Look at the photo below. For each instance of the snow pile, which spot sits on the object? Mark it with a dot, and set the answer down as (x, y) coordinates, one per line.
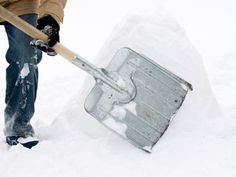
(74, 144)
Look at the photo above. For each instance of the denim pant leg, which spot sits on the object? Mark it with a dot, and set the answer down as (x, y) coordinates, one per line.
(21, 80)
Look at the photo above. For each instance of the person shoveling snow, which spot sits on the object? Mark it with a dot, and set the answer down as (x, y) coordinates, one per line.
(142, 80)
(22, 72)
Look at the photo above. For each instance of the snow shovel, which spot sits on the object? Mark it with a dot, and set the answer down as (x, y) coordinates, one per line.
(133, 96)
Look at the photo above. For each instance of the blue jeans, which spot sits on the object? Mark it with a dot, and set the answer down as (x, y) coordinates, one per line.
(21, 80)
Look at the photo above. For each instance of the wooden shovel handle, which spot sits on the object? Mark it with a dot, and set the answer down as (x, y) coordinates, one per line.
(35, 33)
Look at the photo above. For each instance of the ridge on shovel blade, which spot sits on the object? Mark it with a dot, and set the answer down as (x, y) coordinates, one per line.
(159, 95)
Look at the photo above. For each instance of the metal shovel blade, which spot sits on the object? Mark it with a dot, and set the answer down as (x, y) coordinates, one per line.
(158, 96)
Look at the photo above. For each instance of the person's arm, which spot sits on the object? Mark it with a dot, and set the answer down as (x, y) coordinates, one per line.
(51, 13)
(54, 8)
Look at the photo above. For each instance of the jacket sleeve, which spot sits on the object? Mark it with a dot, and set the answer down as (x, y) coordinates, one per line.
(55, 8)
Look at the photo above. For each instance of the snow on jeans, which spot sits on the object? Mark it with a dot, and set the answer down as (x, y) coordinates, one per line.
(22, 80)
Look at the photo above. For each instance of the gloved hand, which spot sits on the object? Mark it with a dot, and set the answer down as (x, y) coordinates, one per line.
(51, 28)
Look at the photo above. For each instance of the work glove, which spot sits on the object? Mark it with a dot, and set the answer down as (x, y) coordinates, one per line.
(51, 28)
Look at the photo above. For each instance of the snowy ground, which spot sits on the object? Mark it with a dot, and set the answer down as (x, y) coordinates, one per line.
(201, 140)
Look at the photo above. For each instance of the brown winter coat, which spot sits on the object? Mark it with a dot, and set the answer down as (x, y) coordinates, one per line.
(41, 7)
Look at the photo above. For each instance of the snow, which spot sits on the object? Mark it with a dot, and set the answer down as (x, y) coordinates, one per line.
(26, 140)
(118, 112)
(25, 71)
(121, 82)
(131, 106)
(111, 123)
(200, 141)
